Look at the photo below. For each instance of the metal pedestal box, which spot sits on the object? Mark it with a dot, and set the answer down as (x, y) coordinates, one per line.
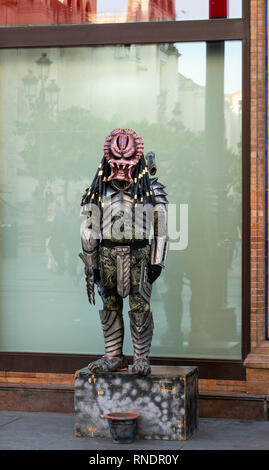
(166, 400)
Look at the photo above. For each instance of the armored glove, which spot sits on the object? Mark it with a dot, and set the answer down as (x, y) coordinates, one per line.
(154, 272)
(92, 276)
(96, 275)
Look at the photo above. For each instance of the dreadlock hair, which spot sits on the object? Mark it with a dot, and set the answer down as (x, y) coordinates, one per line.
(141, 188)
(97, 189)
(140, 191)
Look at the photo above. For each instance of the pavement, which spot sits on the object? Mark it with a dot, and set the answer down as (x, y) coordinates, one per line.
(21, 430)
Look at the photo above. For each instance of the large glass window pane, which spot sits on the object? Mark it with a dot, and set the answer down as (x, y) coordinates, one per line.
(114, 11)
(57, 107)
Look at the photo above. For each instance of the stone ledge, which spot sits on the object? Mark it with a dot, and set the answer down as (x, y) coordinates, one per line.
(257, 361)
(36, 397)
(233, 405)
(58, 398)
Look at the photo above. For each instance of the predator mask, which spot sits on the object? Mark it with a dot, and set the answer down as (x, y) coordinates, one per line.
(123, 149)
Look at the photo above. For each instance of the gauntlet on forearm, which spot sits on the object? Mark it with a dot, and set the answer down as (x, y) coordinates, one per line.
(158, 252)
(90, 245)
(158, 256)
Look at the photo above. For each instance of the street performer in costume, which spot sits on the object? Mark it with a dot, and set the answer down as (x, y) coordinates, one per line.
(118, 255)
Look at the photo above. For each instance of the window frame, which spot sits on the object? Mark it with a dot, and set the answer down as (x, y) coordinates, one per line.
(74, 35)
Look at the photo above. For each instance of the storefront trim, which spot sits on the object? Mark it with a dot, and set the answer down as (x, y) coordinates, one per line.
(149, 33)
(68, 363)
(123, 33)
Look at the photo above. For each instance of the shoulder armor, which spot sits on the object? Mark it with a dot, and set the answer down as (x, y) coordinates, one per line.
(158, 191)
(161, 200)
(156, 182)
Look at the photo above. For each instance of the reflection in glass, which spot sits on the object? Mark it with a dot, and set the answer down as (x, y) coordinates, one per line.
(114, 11)
(185, 100)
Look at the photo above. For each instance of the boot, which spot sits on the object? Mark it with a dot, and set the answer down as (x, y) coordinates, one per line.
(113, 330)
(141, 324)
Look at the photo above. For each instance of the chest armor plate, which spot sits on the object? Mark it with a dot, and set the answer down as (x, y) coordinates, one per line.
(120, 222)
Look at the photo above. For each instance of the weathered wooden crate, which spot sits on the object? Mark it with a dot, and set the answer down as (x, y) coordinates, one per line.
(167, 401)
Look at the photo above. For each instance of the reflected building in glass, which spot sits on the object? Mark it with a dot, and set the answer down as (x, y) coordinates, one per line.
(27, 12)
(66, 101)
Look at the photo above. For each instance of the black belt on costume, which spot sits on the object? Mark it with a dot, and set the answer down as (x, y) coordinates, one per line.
(134, 245)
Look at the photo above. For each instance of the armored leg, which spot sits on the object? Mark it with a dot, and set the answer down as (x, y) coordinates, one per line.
(111, 317)
(113, 330)
(141, 324)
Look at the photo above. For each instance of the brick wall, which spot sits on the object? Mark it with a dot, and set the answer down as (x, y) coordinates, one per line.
(257, 378)
(257, 155)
